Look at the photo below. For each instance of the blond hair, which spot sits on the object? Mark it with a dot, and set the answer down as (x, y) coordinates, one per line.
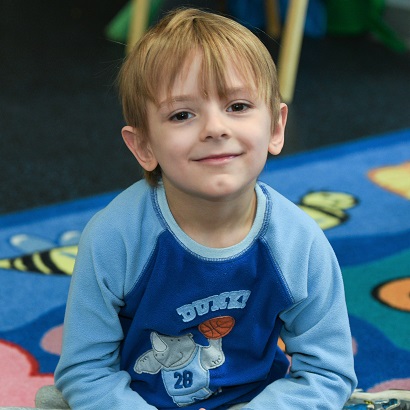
(157, 59)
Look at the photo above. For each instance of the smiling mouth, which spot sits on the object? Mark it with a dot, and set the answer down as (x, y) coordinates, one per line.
(218, 158)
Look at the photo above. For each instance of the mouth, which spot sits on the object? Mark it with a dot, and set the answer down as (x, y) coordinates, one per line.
(217, 159)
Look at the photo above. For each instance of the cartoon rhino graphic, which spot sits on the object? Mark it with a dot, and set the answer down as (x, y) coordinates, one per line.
(184, 365)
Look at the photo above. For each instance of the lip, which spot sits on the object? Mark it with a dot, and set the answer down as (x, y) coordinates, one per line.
(217, 158)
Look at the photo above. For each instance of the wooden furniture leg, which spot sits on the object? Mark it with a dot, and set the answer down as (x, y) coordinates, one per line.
(290, 47)
(138, 22)
(273, 24)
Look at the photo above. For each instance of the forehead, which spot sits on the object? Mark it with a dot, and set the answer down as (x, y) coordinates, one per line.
(195, 75)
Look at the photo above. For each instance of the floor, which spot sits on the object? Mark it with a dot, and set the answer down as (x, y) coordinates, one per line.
(60, 118)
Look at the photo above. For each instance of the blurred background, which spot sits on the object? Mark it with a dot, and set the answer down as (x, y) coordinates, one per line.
(60, 118)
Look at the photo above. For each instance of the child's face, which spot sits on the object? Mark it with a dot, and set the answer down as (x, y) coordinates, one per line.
(208, 147)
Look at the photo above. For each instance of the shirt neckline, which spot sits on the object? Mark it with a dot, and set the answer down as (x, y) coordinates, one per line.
(206, 252)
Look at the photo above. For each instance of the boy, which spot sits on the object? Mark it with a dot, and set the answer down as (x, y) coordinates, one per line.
(185, 282)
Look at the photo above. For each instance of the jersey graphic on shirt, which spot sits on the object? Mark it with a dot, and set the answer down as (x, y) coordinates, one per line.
(184, 364)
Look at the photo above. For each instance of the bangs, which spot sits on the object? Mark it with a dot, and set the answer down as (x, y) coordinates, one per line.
(213, 73)
(166, 49)
(220, 43)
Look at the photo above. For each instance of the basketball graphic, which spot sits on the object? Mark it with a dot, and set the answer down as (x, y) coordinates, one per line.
(217, 327)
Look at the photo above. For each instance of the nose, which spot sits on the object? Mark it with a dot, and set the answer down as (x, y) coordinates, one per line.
(215, 125)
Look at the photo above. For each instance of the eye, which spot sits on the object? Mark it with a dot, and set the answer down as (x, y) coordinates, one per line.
(238, 107)
(182, 116)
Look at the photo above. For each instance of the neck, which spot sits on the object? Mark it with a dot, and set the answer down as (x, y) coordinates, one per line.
(214, 223)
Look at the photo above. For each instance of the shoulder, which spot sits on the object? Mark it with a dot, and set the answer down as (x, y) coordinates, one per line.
(119, 239)
(296, 243)
(286, 218)
(124, 211)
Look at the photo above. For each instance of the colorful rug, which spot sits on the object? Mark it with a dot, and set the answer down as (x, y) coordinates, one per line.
(359, 193)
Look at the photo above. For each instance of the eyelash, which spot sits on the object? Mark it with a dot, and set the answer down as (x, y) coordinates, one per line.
(178, 116)
(186, 115)
(244, 106)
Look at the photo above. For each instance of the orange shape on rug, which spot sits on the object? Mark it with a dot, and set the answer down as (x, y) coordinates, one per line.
(395, 178)
(395, 293)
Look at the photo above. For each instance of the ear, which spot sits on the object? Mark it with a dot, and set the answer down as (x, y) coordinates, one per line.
(139, 147)
(278, 134)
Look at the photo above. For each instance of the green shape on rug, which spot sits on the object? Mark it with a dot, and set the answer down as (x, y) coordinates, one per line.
(362, 282)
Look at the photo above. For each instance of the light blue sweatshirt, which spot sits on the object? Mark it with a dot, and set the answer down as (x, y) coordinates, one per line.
(157, 321)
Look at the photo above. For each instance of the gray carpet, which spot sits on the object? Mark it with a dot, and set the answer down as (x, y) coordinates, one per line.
(60, 119)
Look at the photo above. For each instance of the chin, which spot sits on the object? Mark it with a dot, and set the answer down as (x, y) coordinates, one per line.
(225, 191)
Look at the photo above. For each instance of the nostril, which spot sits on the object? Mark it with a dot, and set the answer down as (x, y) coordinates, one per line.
(216, 136)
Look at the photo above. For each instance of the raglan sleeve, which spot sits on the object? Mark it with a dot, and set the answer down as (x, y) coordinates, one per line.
(88, 373)
(317, 336)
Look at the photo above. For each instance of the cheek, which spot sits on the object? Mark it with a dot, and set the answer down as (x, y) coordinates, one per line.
(179, 144)
(170, 154)
(260, 142)
(260, 132)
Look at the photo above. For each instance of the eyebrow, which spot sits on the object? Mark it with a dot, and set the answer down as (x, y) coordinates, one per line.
(176, 98)
(189, 98)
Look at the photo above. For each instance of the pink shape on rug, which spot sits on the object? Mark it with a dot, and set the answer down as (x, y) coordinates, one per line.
(20, 378)
(393, 384)
(52, 340)
(354, 346)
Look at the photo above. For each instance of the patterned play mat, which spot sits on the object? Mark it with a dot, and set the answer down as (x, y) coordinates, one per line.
(359, 193)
